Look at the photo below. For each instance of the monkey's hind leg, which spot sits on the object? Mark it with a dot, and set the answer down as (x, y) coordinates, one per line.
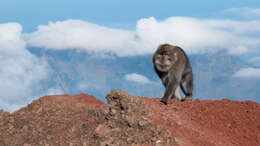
(189, 87)
(177, 94)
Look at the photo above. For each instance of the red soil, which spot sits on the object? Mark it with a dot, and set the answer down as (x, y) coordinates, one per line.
(208, 122)
(66, 119)
(90, 100)
(52, 120)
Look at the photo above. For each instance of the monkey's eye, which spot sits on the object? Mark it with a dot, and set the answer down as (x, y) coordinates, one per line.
(164, 55)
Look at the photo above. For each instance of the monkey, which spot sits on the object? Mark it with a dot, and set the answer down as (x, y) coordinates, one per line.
(173, 67)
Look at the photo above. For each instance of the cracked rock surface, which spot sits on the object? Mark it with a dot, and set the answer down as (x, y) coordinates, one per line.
(128, 123)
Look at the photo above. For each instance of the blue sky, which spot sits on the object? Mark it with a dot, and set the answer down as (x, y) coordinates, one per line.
(116, 13)
(121, 29)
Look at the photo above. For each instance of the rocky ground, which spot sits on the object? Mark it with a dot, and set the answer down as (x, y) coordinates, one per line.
(83, 120)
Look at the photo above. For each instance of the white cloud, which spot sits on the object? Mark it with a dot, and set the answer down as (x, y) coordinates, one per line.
(194, 35)
(134, 77)
(245, 12)
(255, 60)
(198, 35)
(55, 91)
(20, 71)
(248, 73)
(11, 107)
(238, 50)
(78, 34)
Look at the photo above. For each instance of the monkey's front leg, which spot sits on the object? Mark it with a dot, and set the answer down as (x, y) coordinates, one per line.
(170, 89)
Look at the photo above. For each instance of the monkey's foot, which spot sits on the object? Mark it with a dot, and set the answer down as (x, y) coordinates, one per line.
(163, 101)
(179, 99)
(189, 98)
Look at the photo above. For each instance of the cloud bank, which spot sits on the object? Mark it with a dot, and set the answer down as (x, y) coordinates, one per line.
(245, 12)
(194, 35)
(20, 71)
(137, 78)
(77, 34)
(255, 61)
(248, 73)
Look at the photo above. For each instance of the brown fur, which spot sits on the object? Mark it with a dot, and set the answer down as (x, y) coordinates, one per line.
(173, 68)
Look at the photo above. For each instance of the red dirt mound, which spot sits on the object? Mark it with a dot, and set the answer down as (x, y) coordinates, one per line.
(208, 122)
(52, 120)
(82, 120)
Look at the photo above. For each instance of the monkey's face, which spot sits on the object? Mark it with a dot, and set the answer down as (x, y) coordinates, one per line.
(164, 59)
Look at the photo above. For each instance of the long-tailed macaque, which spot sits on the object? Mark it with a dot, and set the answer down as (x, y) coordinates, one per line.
(173, 67)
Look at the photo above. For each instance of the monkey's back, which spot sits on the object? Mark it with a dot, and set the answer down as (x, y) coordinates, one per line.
(184, 57)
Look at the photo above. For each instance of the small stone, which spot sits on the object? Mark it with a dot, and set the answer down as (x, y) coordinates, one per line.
(153, 139)
(112, 111)
(106, 111)
(112, 103)
(142, 123)
(48, 137)
(179, 123)
(101, 130)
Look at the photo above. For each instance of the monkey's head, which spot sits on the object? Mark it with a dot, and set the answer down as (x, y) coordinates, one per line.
(164, 57)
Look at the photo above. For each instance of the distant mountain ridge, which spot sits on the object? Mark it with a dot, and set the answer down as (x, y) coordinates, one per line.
(81, 72)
